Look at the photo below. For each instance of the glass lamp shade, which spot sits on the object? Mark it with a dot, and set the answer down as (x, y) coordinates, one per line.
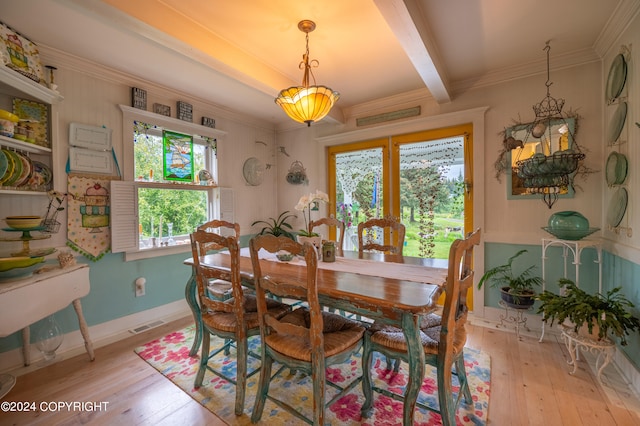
(307, 104)
(49, 338)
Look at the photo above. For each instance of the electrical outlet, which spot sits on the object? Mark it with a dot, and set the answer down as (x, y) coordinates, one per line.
(140, 283)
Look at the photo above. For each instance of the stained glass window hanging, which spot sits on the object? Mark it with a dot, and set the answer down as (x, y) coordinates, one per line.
(177, 156)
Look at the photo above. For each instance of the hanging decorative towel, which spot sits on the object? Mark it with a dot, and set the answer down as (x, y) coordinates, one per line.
(88, 229)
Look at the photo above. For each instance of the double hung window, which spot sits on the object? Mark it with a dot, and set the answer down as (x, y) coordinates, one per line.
(169, 185)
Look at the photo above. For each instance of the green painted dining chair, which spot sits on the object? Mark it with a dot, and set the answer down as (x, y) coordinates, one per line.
(306, 339)
(443, 338)
(218, 288)
(233, 319)
(371, 235)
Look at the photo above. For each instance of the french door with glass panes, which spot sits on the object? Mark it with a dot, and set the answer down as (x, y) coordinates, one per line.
(423, 179)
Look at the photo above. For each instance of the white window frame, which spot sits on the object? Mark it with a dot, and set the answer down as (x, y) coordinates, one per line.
(124, 194)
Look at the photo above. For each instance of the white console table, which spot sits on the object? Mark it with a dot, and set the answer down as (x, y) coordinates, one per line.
(26, 301)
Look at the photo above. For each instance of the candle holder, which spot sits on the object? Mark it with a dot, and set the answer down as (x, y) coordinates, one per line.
(52, 85)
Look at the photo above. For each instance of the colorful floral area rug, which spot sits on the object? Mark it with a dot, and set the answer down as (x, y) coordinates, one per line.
(170, 356)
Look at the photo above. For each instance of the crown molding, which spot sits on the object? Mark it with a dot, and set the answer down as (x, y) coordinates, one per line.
(64, 60)
(625, 13)
(528, 69)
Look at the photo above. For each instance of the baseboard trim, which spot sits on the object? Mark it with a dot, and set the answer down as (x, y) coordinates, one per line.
(491, 319)
(101, 335)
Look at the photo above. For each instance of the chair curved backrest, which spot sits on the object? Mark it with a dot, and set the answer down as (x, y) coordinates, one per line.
(221, 227)
(232, 319)
(442, 338)
(297, 340)
(384, 226)
(339, 225)
(459, 280)
(201, 242)
(219, 288)
(307, 291)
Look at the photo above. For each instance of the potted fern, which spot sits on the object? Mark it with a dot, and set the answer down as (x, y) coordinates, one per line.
(517, 291)
(603, 314)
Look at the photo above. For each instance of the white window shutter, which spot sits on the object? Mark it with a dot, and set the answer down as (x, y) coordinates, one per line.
(124, 217)
(226, 205)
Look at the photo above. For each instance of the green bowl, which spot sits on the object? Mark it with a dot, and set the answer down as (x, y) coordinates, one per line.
(284, 257)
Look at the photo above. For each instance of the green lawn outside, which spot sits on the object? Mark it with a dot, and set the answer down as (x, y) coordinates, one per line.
(442, 243)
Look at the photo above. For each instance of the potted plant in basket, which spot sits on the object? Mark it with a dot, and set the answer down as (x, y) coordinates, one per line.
(604, 315)
(517, 291)
(277, 227)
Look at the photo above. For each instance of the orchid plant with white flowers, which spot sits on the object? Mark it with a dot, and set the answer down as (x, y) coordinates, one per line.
(305, 203)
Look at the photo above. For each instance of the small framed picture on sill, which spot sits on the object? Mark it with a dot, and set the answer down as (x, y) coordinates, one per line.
(209, 122)
(185, 111)
(139, 98)
(162, 109)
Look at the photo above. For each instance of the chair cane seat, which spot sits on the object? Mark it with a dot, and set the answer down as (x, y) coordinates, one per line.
(393, 337)
(339, 334)
(227, 321)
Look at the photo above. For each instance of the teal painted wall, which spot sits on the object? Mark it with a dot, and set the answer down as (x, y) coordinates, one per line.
(112, 291)
(616, 272)
(619, 272)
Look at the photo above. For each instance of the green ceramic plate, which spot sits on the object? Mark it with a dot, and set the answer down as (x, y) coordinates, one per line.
(616, 168)
(617, 123)
(17, 168)
(617, 207)
(617, 78)
(10, 166)
(4, 164)
(9, 263)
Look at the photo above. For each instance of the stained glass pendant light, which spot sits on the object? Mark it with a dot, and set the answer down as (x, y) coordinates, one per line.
(305, 103)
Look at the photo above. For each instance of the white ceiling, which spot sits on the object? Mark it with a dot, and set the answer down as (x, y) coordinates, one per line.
(241, 53)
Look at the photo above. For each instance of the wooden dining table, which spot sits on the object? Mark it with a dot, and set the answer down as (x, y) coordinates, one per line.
(393, 289)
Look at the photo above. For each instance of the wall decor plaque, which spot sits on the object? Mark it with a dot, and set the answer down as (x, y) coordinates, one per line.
(185, 111)
(36, 116)
(139, 98)
(209, 122)
(162, 109)
(20, 54)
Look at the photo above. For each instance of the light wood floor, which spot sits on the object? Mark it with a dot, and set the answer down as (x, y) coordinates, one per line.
(530, 385)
